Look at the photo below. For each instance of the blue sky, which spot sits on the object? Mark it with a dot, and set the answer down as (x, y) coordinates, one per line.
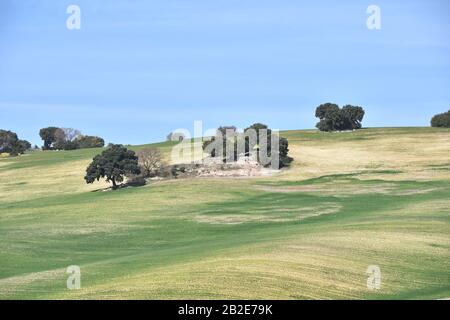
(138, 69)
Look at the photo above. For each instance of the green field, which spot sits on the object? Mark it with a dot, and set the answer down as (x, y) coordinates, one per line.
(350, 200)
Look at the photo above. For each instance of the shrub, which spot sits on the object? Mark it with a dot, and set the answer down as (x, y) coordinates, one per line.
(136, 181)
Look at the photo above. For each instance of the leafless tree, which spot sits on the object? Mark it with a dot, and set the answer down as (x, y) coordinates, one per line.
(71, 134)
(150, 161)
(65, 138)
(66, 134)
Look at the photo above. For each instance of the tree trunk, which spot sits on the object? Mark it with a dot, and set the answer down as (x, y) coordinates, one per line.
(114, 184)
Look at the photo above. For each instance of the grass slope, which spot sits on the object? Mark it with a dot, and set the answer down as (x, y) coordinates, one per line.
(350, 200)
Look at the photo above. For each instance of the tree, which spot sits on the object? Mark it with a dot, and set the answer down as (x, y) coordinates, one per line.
(251, 145)
(333, 118)
(175, 136)
(285, 160)
(7, 140)
(71, 134)
(226, 134)
(324, 109)
(113, 164)
(48, 135)
(150, 161)
(60, 140)
(65, 138)
(227, 130)
(252, 140)
(89, 142)
(10, 143)
(20, 147)
(266, 145)
(441, 120)
(354, 114)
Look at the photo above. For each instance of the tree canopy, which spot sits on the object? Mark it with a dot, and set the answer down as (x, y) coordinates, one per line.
(333, 118)
(113, 164)
(48, 135)
(256, 138)
(10, 143)
(89, 142)
(264, 146)
(68, 139)
(441, 120)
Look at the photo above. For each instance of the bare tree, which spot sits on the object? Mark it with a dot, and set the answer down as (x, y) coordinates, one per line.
(64, 138)
(71, 134)
(150, 161)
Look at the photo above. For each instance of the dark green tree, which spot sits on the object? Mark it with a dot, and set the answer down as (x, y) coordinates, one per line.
(324, 109)
(257, 127)
(10, 143)
(48, 135)
(7, 140)
(259, 144)
(266, 144)
(226, 134)
(113, 164)
(354, 114)
(285, 160)
(441, 120)
(333, 118)
(20, 147)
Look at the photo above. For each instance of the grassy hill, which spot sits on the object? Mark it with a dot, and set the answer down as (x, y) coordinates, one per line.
(350, 200)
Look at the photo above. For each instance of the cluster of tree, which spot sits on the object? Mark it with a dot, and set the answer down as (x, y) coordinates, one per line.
(256, 139)
(441, 120)
(10, 143)
(117, 162)
(333, 118)
(68, 139)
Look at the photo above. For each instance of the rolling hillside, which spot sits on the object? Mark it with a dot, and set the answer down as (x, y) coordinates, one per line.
(350, 200)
